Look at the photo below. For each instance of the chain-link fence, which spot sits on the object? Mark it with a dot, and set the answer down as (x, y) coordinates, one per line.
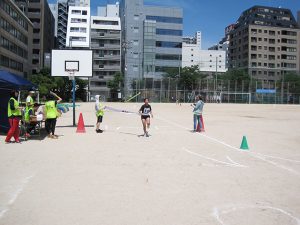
(213, 90)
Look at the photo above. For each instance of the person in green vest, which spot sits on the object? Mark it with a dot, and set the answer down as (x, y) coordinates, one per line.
(51, 114)
(99, 113)
(14, 114)
(29, 100)
(29, 117)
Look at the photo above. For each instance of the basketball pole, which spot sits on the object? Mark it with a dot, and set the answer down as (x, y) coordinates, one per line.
(74, 99)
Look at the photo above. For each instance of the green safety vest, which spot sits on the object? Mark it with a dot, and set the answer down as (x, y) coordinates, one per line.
(16, 112)
(27, 116)
(101, 111)
(30, 103)
(51, 111)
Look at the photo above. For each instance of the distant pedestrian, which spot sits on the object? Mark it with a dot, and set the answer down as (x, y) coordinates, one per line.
(14, 114)
(145, 112)
(198, 109)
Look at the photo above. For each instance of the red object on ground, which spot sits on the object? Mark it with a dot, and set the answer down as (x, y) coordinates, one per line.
(80, 126)
(198, 125)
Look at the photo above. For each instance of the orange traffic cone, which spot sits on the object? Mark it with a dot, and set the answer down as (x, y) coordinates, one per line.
(80, 126)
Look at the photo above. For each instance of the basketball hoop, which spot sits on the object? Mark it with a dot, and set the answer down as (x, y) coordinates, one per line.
(71, 74)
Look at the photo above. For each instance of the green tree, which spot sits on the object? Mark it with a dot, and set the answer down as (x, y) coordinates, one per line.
(60, 85)
(117, 82)
(188, 76)
(235, 75)
(294, 82)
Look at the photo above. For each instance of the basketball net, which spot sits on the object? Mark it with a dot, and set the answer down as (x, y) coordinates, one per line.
(71, 74)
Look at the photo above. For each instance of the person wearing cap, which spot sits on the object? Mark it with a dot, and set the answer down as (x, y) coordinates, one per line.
(14, 115)
(29, 101)
(51, 115)
(99, 108)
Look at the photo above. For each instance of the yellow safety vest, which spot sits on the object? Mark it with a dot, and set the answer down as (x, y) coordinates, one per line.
(16, 112)
(51, 111)
(100, 112)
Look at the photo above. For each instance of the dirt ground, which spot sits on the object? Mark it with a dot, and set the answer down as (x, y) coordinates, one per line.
(174, 177)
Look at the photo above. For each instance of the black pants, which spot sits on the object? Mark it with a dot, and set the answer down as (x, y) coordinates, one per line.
(30, 127)
(50, 126)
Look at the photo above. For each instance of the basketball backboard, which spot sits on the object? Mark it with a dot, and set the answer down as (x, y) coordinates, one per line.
(79, 62)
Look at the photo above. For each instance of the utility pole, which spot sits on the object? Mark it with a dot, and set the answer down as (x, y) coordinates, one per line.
(216, 73)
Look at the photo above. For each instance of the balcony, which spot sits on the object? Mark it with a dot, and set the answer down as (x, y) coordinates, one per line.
(107, 57)
(107, 67)
(97, 35)
(105, 46)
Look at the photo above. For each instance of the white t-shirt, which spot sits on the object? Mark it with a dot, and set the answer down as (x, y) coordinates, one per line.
(28, 99)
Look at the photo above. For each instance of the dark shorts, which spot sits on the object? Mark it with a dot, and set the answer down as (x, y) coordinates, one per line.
(99, 119)
(145, 117)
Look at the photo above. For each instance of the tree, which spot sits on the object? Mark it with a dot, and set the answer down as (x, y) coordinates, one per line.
(116, 83)
(236, 75)
(60, 85)
(294, 82)
(188, 77)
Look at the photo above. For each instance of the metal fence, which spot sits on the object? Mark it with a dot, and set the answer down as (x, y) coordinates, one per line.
(223, 91)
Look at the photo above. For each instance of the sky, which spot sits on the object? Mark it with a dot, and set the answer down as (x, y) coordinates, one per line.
(209, 16)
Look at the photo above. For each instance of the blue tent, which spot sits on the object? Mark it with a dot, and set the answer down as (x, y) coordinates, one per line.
(9, 82)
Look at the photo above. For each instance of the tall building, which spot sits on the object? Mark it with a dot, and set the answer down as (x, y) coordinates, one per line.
(78, 29)
(43, 32)
(15, 39)
(151, 40)
(106, 46)
(264, 42)
(209, 61)
(60, 12)
(223, 45)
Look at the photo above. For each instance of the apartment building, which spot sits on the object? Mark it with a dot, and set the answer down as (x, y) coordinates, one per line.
(15, 39)
(106, 46)
(78, 29)
(265, 42)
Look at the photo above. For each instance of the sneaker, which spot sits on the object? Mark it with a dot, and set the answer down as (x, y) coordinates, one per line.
(27, 135)
(147, 135)
(99, 131)
(49, 136)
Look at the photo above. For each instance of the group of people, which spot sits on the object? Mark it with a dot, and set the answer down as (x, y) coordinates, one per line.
(146, 112)
(30, 115)
(50, 114)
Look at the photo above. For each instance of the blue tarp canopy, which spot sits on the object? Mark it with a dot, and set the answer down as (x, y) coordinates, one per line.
(14, 82)
(9, 82)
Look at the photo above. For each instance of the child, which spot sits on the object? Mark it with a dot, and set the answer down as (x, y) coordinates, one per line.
(99, 113)
(145, 112)
(198, 108)
(51, 114)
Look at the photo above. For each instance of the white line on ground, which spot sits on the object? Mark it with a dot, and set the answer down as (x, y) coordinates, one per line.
(253, 154)
(217, 213)
(214, 160)
(15, 195)
(276, 157)
(230, 160)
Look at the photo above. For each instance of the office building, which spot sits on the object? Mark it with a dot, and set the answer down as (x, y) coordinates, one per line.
(208, 61)
(15, 39)
(78, 29)
(151, 40)
(81, 3)
(43, 32)
(264, 42)
(106, 46)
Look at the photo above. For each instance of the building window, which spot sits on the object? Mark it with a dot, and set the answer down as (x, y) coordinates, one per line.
(84, 12)
(169, 32)
(164, 19)
(135, 29)
(166, 44)
(136, 42)
(136, 17)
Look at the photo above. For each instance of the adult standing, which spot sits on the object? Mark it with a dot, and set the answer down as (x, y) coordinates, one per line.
(29, 101)
(198, 108)
(14, 115)
(51, 115)
(145, 112)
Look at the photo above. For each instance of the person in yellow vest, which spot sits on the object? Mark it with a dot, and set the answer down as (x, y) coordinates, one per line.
(29, 101)
(99, 113)
(51, 115)
(29, 119)
(14, 115)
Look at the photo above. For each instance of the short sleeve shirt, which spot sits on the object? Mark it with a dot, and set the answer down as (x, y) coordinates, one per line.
(145, 109)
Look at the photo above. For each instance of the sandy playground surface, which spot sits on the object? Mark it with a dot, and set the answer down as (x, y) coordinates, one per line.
(175, 177)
